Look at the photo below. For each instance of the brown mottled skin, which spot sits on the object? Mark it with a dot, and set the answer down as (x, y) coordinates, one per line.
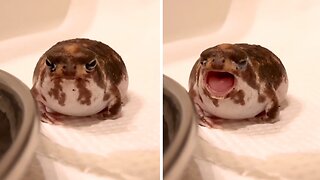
(264, 62)
(263, 68)
(70, 58)
(237, 96)
(115, 69)
(57, 92)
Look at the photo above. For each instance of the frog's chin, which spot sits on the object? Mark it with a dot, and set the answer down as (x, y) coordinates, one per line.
(219, 83)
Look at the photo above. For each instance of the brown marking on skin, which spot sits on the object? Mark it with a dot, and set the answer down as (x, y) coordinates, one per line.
(106, 96)
(249, 77)
(96, 75)
(42, 76)
(192, 93)
(201, 99)
(272, 111)
(215, 102)
(60, 71)
(57, 93)
(213, 63)
(115, 91)
(261, 98)
(198, 71)
(115, 109)
(234, 53)
(44, 98)
(237, 97)
(73, 53)
(217, 64)
(83, 56)
(209, 61)
(114, 71)
(84, 93)
(62, 99)
(113, 65)
(211, 52)
(34, 92)
(98, 78)
(268, 65)
(208, 94)
(109, 112)
(271, 73)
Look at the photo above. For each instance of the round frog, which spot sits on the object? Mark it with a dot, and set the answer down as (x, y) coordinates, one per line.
(79, 78)
(237, 82)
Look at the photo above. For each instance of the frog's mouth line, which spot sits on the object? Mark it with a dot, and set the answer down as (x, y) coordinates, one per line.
(219, 83)
(68, 78)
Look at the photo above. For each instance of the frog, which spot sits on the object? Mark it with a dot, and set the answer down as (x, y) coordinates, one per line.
(233, 82)
(79, 78)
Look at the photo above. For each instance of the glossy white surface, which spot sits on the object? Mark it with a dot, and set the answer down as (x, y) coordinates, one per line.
(113, 149)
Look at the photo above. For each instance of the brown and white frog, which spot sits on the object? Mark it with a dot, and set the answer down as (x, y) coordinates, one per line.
(79, 78)
(237, 82)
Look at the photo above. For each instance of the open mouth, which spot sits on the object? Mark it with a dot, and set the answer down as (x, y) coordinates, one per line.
(219, 83)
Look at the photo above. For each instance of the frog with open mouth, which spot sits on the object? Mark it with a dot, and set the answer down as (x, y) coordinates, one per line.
(237, 82)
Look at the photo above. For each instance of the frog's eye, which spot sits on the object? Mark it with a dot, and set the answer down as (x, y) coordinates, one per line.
(242, 63)
(91, 65)
(51, 65)
(203, 62)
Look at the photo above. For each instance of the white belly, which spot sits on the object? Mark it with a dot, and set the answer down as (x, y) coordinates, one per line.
(228, 109)
(72, 105)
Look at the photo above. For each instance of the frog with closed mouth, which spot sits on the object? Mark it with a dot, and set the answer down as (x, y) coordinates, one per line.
(79, 78)
(237, 82)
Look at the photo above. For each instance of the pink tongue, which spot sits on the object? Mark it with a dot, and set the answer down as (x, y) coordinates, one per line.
(220, 82)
